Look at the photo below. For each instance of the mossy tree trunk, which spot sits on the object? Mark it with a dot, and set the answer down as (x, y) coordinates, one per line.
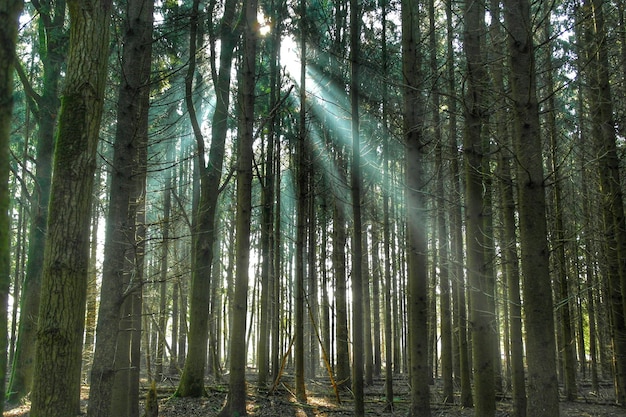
(56, 385)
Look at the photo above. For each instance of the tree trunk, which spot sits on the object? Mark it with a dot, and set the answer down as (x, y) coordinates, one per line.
(192, 379)
(511, 270)
(479, 274)
(456, 231)
(164, 267)
(386, 223)
(10, 10)
(375, 310)
(236, 403)
(442, 226)
(603, 130)
(368, 354)
(342, 369)
(56, 386)
(301, 159)
(52, 58)
(357, 240)
(120, 263)
(267, 216)
(543, 394)
(416, 212)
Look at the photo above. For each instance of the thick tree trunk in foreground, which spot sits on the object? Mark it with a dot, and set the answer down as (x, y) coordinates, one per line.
(543, 390)
(56, 385)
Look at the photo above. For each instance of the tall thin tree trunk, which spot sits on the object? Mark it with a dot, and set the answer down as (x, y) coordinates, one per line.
(120, 254)
(377, 278)
(511, 269)
(267, 215)
(386, 223)
(357, 240)
(543, 394)
(442, 222)
(368, 354)
(456, 230)
(10, 10)
(204, 233)
(301, 215)
(416, 210)
(339, 239)
(236, 403)
(479, 274)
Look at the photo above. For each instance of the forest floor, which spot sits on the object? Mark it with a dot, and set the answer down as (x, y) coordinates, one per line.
(322, 402)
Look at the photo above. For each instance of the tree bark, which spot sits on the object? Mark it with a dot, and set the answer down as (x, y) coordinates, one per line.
(204, 233)
(236, 403)
(56, 384)
(479, 273)
(543, 393)
(120, 260)
(301, 215)
(614, 221)
(386, 223)
(416, 213)
(357, 240)
(442, 221)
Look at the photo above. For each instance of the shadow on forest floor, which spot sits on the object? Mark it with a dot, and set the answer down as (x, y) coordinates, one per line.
(322, 402)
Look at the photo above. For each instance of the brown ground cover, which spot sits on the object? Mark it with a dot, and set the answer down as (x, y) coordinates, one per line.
(322, 402)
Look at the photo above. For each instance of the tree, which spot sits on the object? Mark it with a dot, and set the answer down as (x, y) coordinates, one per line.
(302, 165)
(357, 240)
(52, 50)
(204, 233)
(456, 227)
(416, 214)
(56, 385)
(543, 393)
(122, 260)
(480, 280)
(236, 403)
(10, 12)
(386, 221)
(613, 218)
(442, 222)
